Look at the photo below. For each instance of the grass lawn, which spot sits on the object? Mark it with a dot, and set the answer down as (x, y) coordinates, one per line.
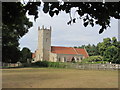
(58, 78)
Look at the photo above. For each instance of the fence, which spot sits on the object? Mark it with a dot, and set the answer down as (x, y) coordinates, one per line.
(74, 66)
(94, 66)
(7, 65)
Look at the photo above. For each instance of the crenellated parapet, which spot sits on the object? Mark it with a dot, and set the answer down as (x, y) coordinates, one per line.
(44, 28)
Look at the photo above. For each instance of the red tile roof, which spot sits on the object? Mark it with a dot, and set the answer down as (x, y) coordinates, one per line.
(68, 50)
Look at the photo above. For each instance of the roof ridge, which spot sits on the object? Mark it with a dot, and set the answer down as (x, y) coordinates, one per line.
(75, 50)
(60, 46)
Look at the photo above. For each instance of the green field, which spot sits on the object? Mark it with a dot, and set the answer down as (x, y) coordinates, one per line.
(58, 78)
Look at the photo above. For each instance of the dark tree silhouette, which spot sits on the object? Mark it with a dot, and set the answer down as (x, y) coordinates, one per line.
(15, 24)
(25, 55)
(91, 13)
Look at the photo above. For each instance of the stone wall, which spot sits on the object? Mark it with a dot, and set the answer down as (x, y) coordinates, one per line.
(53, 57)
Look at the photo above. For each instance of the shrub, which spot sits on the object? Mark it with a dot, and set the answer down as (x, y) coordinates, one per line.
(42, 63)
(26, 64)
(93, 59)
(54, 64)
(49, 64)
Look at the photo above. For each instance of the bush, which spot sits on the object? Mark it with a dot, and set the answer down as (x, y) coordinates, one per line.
(93, 59)
(42, 63)
(26, 65)
(49, 64)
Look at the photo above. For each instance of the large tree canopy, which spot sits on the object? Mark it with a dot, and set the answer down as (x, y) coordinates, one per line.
(14, 25)
(109, 49)
(90, 12)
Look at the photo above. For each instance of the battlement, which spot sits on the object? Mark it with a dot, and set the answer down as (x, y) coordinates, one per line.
(43, 28)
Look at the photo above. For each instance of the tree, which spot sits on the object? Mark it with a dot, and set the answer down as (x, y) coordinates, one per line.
(114, 41)
(91, 13)
(91, 49)
(118, 46)
(15, 24)
(107, 42)
(111, 54)
(103, 45)
(109, 49)
(25, 55)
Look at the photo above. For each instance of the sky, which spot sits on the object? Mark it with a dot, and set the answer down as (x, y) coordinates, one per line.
(66, 35)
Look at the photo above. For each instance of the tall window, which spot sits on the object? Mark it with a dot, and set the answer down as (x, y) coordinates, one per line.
(64, 59)
(58, 59)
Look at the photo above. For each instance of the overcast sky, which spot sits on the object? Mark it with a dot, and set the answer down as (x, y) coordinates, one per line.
(66, 35)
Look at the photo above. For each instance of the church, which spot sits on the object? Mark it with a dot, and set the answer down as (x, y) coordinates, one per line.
(55, 53)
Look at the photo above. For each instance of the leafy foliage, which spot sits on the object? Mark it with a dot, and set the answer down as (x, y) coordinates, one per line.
(49, 64)
(109, 49)
(25, 55)
(111, 54)
(32, 8)
(91, 13)
(93, 59)
(15, 24)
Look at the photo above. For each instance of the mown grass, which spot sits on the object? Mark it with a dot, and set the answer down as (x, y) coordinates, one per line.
(58, 78)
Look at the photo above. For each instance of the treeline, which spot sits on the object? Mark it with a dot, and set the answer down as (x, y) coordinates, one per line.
(23, 56)
(109, 49)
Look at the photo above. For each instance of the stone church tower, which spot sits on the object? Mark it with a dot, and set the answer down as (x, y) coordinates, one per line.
(44, 44)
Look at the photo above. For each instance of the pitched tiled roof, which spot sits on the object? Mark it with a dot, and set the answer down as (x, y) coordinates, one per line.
(68, 50)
